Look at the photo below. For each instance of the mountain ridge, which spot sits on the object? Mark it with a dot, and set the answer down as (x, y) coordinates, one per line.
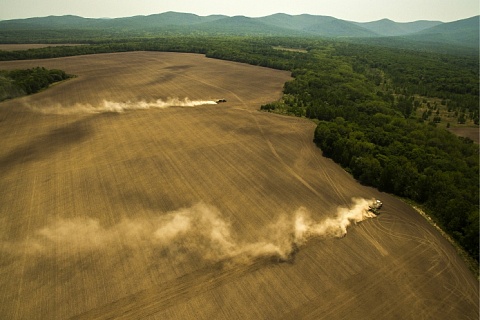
(461, 32)
(387, 27)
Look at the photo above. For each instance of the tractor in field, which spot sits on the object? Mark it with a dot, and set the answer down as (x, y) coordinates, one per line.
(375, 206)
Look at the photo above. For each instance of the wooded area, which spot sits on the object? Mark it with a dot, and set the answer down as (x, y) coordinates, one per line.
(17, 83)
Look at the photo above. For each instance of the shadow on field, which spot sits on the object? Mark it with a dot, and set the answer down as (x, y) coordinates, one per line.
(169, 75)
(45, 145)
(178, 67)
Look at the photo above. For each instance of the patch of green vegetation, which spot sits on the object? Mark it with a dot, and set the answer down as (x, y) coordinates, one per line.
(16, 83)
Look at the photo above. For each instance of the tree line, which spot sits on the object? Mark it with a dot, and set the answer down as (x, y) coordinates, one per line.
(413, 160)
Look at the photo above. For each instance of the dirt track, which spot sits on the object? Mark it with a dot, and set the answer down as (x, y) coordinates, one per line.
(82, 191)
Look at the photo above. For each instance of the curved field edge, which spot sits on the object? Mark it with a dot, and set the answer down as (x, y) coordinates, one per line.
(472, 263)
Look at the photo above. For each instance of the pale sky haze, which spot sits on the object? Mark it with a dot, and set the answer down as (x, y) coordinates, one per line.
(353, 10)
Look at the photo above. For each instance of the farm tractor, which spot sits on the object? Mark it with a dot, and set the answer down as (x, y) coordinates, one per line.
(375, 206)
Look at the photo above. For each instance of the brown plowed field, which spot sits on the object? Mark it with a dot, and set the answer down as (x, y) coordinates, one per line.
(135, 215)
(467, 132)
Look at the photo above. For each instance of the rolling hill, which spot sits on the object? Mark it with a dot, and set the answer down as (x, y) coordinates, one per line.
(462, 32)
(386, 27)
(241, 25)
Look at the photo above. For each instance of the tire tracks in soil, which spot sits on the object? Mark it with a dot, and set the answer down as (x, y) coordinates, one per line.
(155, 299)
(290, 170)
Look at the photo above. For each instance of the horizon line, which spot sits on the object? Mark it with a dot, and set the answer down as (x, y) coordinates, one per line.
(228, 16)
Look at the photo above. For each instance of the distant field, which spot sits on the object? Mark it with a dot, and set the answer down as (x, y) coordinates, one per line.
(467, 132)
(116, 204)
(291, 49)
(15, 47)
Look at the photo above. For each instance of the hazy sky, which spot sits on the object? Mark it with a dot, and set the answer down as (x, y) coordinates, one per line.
(354, 10)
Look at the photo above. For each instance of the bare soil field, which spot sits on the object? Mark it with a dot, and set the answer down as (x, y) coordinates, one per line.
(26, 46)
(122, 200)
(467, 132)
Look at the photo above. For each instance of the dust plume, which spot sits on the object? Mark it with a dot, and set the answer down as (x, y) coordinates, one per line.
(118, 107)
(201, 230)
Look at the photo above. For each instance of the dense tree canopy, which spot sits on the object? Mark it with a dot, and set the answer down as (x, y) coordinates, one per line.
(21, 82)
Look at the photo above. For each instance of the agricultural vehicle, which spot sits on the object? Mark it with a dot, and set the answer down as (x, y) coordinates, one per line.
(375, 207)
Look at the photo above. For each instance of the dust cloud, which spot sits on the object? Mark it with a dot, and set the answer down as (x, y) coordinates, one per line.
(201, 230)
(119, 107)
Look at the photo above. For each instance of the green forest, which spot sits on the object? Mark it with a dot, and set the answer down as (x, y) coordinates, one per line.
(380, 110)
